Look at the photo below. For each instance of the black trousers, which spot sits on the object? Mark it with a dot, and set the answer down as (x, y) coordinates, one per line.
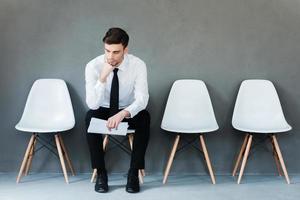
(141, 124)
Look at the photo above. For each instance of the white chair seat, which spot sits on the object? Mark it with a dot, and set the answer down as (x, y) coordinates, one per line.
(176, 128)
(263, 127)
(44, 127)
(130, 131)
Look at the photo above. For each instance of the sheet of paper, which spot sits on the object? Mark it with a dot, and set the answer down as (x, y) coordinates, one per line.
(99, 126)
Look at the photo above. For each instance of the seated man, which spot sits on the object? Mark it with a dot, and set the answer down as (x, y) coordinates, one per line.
(116, 91)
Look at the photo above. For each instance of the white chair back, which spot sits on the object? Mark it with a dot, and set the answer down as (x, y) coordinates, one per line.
(189, 108)
(258, 109)
(48, 108)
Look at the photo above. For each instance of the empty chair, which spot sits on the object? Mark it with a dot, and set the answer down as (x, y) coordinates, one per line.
(130, 135)
(258, 110)
(189, 111)
(48, 109)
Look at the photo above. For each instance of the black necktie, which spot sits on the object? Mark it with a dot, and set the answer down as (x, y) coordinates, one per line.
(114, 94)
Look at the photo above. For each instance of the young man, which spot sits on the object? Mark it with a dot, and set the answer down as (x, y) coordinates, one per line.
(116, 91)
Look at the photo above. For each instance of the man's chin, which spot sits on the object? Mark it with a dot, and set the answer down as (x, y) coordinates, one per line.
(115, 64)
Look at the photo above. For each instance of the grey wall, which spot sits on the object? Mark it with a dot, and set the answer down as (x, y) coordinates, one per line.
(219, 42)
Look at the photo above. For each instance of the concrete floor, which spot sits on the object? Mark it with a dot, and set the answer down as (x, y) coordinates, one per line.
(44, 186)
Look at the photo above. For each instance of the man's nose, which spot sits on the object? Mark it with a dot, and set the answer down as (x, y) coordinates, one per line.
(109, 56)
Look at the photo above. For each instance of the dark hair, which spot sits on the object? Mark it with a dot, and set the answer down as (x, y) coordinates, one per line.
(116, 36)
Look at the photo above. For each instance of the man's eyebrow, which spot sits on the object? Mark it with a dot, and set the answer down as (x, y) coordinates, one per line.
(112, 51)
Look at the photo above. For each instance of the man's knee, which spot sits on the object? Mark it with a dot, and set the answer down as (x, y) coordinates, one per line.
(144, 118)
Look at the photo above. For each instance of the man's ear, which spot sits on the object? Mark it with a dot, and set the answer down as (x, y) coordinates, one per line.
(126, 50)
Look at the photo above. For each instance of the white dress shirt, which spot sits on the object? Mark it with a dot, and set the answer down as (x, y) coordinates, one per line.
(133, 85)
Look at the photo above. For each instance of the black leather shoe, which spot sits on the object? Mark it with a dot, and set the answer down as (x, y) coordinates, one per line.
(133, 184)
(101, 183)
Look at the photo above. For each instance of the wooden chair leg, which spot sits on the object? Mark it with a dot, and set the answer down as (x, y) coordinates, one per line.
(130, 139)
(28, 164)
(61, 157)
(94, 175)
(245, 158)
(25, 158)
(238, 160)
(281, 159)
(275, 156)
(105, 143)
(171, 158)
(141, 177)
(207, 159)
(65, 153)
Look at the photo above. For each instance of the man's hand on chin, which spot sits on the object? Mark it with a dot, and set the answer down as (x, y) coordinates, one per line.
(115, 120)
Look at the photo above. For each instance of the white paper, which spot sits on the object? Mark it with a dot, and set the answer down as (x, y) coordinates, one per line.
(99, 126)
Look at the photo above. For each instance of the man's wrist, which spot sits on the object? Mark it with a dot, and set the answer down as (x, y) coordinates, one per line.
(125, 113)
(102, 80)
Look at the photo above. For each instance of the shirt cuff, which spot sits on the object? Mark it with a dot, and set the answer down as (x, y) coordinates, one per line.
(132, 110)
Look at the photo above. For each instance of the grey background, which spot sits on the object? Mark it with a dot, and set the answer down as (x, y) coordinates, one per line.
(219, 42)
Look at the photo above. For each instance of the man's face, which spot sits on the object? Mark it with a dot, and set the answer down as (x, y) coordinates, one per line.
(114, 53)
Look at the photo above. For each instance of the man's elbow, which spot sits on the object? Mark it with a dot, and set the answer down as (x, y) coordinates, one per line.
(92, 105)
(145, 102)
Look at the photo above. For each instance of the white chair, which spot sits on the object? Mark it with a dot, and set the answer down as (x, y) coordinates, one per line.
(48, 109)
(130, 135)
(189, 110)
(258, 110)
